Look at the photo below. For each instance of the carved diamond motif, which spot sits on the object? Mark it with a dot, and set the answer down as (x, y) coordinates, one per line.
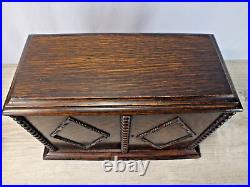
(153, 133)
(98, 134)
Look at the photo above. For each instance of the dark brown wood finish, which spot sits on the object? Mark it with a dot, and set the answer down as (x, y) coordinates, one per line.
(125, 133)
(215, 125)
(137, 96)
(34, 132)
(69, 74)
(132, 155)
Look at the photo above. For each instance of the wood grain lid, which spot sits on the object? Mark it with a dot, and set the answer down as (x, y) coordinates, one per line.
(88, 73)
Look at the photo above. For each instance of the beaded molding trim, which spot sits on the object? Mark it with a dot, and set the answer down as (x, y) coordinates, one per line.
(176, 121)
(215, 125)
(70, 119)
(23, 122)
(125, 132)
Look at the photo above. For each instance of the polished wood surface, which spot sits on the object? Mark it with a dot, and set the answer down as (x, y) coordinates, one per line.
(224, 154)
(197, 122)
(60, 79)
(120, 73)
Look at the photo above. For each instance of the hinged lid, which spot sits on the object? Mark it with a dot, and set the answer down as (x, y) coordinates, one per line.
(142, 73)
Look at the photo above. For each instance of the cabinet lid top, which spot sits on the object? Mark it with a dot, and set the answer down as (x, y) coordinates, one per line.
(76, 72)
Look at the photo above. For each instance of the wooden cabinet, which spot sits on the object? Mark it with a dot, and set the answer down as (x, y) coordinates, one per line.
(135, 96)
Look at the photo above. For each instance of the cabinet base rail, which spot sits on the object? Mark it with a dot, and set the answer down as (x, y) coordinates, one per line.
(131, 155)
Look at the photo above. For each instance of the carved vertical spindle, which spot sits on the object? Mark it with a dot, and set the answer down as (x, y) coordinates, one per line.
(215, 125)
(33, 131)
(125, 131)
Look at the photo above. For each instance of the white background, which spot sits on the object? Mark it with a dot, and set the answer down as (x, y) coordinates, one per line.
(228, 21)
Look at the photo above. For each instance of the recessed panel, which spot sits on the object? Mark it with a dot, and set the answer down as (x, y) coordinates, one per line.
(110, 124)
(148, 131)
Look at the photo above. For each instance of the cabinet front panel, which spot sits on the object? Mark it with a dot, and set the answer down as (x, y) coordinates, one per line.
(165, 131)
(80, 132)
(103, 133)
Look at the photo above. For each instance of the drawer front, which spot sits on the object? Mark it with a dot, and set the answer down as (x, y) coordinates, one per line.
(123, 133)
